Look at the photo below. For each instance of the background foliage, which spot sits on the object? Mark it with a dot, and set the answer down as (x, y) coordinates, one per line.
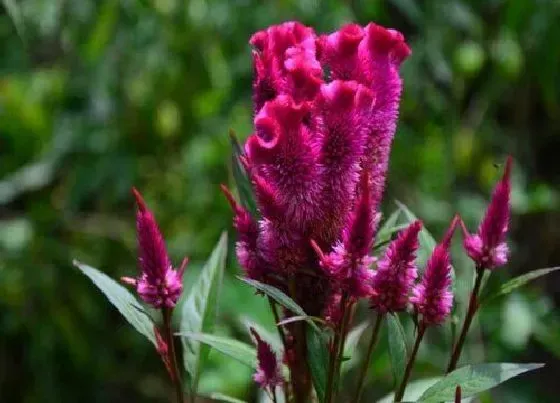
(97, 96)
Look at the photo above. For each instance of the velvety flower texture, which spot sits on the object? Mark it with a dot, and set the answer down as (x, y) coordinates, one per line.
(159, 284)
(432, 297)
(396, 272)
(268, 373)
(487, 247)
(316, 134)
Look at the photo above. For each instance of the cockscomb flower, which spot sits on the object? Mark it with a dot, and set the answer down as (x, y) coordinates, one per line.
(158, 284)
(396, 272)
(487, 248)
(268, 373)
(432, 297)
(315, 136)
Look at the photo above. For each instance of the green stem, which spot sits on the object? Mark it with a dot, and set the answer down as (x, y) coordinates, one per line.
(338, 336)
(471, 311)
(172, 355)
(365, 365)
(400, 392)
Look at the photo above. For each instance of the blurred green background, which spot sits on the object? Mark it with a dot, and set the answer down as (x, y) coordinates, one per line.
(99, 95)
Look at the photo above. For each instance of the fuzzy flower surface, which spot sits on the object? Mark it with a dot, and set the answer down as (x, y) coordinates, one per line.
(396, 272)
(317, 136)
(268, 373)
(432, 297)
(487, 247)
(159, 284)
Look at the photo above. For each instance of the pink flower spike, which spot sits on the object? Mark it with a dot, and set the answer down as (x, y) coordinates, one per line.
(268, 373)
(432, 297)
(159, 284)
(487, 248)
(396, 272)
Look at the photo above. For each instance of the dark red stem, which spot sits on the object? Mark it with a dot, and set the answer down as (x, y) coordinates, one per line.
(365, 365)
(400, 393)
(471, 311)
(172, 355)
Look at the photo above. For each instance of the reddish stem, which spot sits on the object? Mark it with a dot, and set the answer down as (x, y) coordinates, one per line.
(400, 393)
(172, 355)
(471, 311)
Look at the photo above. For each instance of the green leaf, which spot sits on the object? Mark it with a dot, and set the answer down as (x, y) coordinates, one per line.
(427, 241)
(240, 177)
(413, 390)
(276, 294)
(389, 227)
(397, 347)
(318, 359)
(520, 281)
(474, 379)
(351, 346)
(14, 11)
(198, 313)
(271, 337)
(122, 299)
(225, 398)
(306, 318)
(237, 350)
(280, 297)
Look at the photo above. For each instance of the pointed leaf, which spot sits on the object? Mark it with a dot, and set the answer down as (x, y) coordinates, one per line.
(413, 390)
(305, 318)
(397, 347)
(198, 313)
(238, 350)
(388, 227)
(318, 360)
(520, 281)
(351, 351)
(122, 299)
(225, 398)
(14, 11)
(240, 176)
(277, 295)
(474, 379)
(271, 337)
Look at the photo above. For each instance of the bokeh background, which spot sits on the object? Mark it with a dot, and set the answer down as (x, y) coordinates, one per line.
(99, 95)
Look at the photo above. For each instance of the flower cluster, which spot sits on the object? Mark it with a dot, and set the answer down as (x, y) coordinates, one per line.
(325, 115)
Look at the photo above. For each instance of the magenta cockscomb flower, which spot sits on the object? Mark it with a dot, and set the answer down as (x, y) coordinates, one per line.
(396, 272)
(487, 248)
(158, 284)
(432, 297)
(268, 373)
(315, 136)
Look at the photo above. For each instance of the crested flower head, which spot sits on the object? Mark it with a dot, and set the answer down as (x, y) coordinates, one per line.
(268, 373)
(487, 247)
(432, 297)
(159, 284)
(319, 141)
(396, 272)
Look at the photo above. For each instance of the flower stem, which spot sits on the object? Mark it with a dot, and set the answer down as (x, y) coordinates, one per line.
(274, 310)
(400, 393)
(343, 332)
(365, 365)
(471, 311)
(172, 355)
(337, 342)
